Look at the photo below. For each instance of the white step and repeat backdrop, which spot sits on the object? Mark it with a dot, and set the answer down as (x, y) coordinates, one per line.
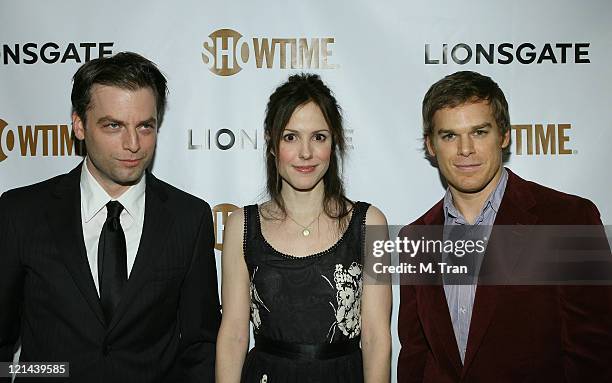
(552, 58)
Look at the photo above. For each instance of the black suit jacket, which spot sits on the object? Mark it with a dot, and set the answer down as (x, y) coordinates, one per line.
(166, 324)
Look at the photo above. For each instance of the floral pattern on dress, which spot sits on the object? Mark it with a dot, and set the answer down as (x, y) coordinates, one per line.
(256, 304)
(348, 286)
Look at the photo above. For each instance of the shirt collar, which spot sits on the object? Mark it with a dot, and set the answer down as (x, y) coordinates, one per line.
(94, 198)
(492, 202)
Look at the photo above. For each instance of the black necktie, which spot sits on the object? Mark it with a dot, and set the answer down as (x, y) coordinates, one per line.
(112, 260)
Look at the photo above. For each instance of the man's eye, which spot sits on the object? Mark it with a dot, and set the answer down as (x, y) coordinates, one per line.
(448, 136)
(480, 132)
(112, 125)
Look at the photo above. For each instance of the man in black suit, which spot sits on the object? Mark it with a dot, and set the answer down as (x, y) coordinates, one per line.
(107, 267)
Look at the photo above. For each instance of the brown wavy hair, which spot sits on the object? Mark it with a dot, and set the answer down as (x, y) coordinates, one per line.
(461, 88)
(299, 90)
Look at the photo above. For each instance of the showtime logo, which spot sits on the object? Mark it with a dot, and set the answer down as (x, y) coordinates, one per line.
(220, 213)
(540, 139)
(226, 52)
(37, 140)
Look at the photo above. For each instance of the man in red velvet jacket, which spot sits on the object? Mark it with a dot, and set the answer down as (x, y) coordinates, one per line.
(489, 333)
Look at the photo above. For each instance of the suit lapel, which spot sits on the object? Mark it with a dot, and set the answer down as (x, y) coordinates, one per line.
(64, 218)
(514, 210)
(157, 220)
(435, 308)
(438, 319)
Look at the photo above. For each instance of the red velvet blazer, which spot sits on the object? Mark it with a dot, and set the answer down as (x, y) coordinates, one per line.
(517, 333)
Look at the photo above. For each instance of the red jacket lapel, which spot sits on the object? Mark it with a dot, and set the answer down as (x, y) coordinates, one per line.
(436, 317)
(514, 210)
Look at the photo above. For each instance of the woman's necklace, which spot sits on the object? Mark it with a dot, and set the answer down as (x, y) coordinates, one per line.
(306, 228)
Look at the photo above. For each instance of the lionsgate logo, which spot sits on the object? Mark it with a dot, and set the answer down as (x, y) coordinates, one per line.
(44, 140)
(225, 139)
(227, 52)
(222, 139)
(51, 53)
(507, 53)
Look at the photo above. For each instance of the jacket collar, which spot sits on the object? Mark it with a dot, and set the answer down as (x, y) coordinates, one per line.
(64, 219)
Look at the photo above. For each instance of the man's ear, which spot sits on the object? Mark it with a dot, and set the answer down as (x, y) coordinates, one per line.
(505, 139)
(78, 126)
(430, 147)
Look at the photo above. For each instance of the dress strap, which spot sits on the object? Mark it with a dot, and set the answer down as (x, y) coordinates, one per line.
(360, 213)
(251, 227)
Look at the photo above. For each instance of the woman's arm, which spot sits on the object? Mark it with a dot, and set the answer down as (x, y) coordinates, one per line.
(233, 338)
(376, 315)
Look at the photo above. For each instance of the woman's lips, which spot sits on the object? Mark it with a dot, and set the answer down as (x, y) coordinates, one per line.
(305, 169)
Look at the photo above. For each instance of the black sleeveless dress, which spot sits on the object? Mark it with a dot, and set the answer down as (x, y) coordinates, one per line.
(306, 311)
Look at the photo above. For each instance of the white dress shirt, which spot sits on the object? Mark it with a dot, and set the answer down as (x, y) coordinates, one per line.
(93, 215)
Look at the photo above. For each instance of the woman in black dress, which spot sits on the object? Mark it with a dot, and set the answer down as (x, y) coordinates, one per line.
(293, 265)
